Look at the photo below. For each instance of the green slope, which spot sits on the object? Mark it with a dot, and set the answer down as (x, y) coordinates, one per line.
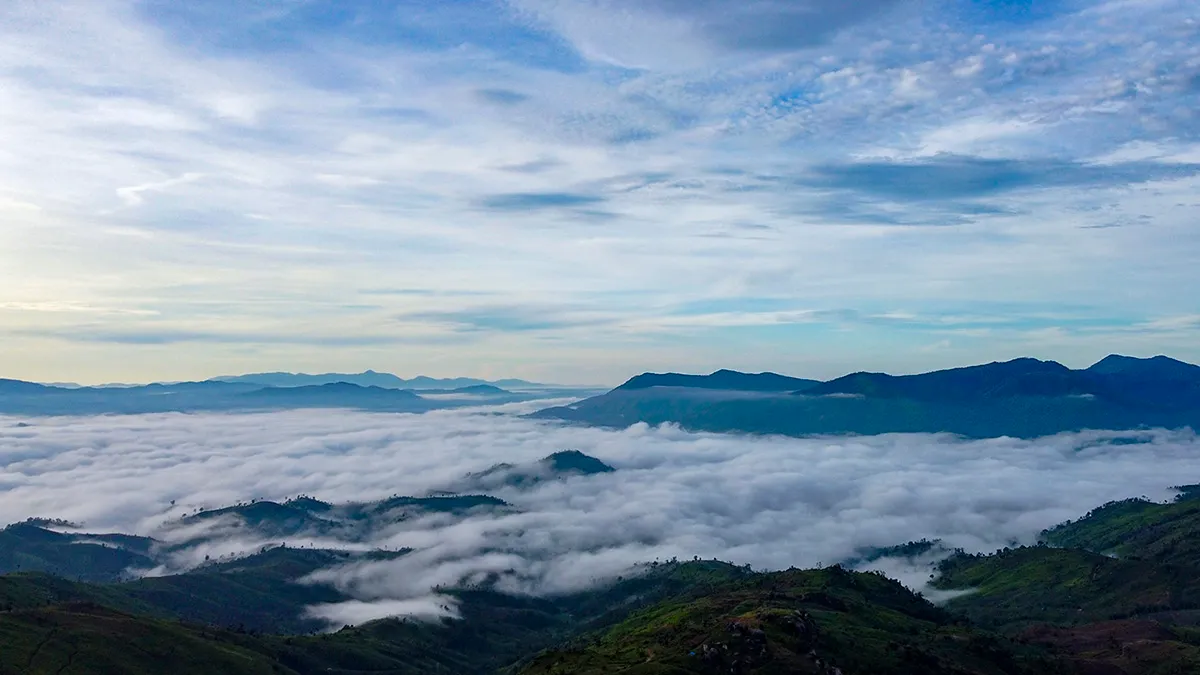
(1125, 598)
(1131, 558)
(815, 621)
(85, 639)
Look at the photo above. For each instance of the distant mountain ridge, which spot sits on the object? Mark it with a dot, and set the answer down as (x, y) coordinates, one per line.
(1156, 366)
(721, 379)
(371, 378)
(28, 398)
(1023, 397)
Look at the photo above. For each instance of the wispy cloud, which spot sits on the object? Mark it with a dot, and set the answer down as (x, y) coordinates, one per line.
(134, 194)
(530, 201)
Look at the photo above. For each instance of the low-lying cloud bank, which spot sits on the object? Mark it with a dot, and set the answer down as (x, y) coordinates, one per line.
(770, 502)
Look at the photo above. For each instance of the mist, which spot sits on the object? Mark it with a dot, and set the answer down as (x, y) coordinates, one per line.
(769, 502)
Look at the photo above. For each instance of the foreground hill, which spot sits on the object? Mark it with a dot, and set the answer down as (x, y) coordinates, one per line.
(1120, 586)
(816, 621)
(695, 617)
(1023, 397)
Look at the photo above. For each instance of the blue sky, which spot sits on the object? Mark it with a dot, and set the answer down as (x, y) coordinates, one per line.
(579, 190)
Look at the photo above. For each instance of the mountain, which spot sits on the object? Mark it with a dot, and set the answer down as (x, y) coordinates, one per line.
(477, 390)
(575, 462)
(722, 379)
(557, 466)
(339, 395)
(1023, 397)
(1020, 377)
(21, 387)
(1157, 367)
(370, 378)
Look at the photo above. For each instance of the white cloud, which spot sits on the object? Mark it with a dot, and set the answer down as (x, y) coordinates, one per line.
(355, 611)
(133, 194)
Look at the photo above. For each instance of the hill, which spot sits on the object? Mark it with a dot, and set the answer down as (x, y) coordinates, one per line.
(558, 466)
(1121, 587)
(87, 557)
(690, 617)
(816, 621)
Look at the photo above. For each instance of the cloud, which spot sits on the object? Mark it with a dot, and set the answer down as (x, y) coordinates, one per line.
(512, 318)
(355, 612)
(151, 336)
(531, 201)
(502, 96)
(668, 34)
(133, 195)
(949, 177)
(771, 502)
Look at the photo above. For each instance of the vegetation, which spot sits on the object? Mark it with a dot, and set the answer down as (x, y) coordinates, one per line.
(1125, 595)
(815, 621)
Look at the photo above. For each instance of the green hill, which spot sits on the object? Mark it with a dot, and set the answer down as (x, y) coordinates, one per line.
(816, 621)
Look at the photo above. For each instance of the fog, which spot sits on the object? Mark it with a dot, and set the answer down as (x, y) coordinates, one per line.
(769, 502)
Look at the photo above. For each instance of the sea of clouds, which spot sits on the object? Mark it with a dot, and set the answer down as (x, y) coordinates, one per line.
(771, 502)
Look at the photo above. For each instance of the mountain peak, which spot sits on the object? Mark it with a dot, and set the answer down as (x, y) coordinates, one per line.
(574, 461)
(1155, 366)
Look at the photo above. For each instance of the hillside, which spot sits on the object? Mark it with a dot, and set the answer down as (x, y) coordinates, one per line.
(817, 621)
(801, 622)
(1125, 592)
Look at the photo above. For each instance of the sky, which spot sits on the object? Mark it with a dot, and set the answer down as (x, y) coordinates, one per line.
(581, 190)
(769, 502)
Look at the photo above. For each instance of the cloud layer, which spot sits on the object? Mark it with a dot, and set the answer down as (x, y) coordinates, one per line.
(769, 502)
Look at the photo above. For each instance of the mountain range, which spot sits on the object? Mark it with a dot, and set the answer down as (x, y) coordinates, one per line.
(370, 378)
(28, 398)
(1024, 397)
